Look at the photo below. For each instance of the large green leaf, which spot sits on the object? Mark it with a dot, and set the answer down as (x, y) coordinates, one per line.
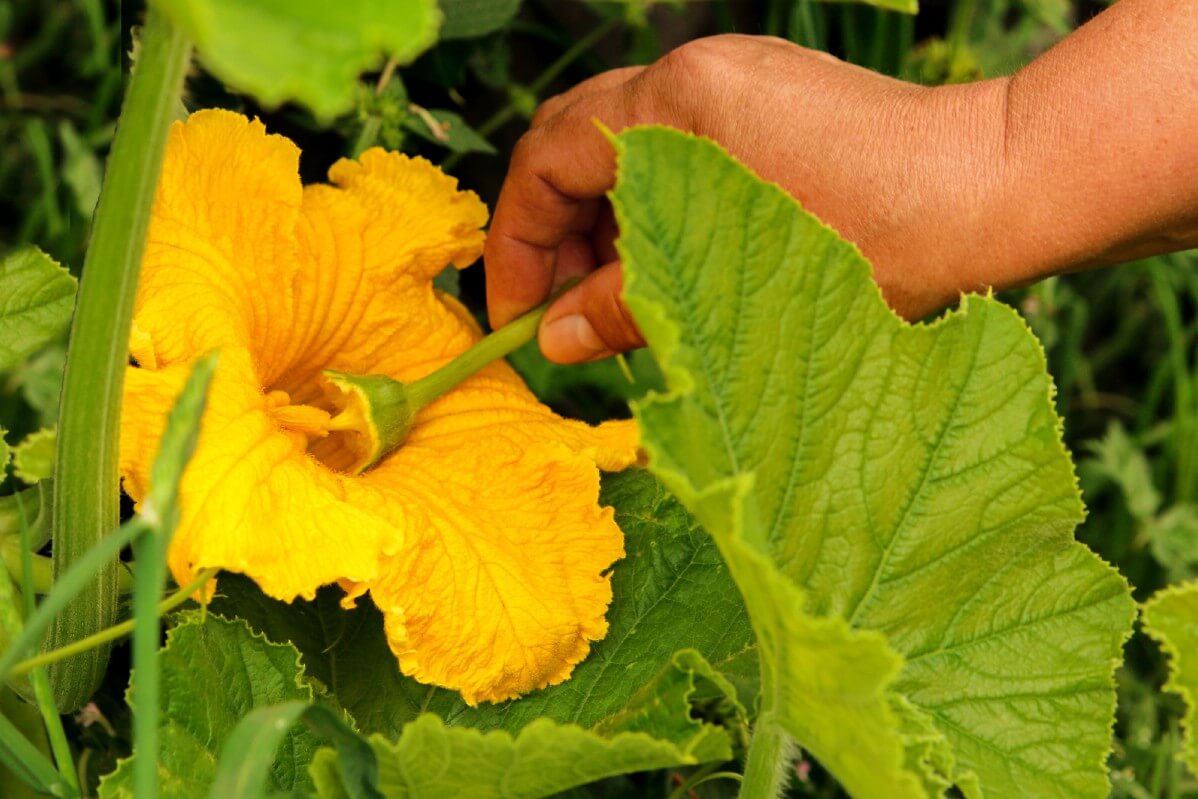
(36, 298)
(1171, 618)
(905, 484)
(671, 592)
(213, 673)
(310, 51)
(657, 730)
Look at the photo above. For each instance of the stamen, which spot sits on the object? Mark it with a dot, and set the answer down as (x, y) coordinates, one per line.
(304, 419)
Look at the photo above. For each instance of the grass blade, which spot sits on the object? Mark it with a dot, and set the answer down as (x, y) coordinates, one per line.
(250, 750)
(161, 507)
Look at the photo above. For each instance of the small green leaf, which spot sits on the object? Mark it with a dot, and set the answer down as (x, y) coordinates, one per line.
(1120, 459)
(40, 380)
(894, 500)
(1173, 539)
(304, 50)
(38, 296)
(33, 458)
(468, 19)
(214, 672)
(448, 130)
(1171, 619)
(81, 169)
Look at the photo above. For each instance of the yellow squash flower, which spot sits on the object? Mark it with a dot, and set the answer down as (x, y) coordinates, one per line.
(481, 538)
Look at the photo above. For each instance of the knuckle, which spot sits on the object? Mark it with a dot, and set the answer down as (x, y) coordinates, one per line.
(690, 72)
(547, 110)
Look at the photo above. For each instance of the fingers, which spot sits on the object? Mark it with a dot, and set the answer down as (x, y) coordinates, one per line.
(558, 169)
(590, 321)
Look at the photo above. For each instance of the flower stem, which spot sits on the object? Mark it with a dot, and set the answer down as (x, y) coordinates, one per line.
(766, 764)
(113, 633)
(86, 489)
(500, 344)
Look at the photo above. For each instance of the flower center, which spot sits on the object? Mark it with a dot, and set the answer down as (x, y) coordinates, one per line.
(330, 437)
(303, 423)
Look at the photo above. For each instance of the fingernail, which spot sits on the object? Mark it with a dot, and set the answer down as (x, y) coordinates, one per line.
(570, 339)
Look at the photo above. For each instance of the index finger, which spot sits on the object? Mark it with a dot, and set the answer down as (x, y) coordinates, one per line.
(555, 169)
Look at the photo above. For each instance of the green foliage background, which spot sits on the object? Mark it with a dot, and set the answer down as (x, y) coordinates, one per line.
(1120, 344)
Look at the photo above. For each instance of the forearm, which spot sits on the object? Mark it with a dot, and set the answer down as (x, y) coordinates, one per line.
(1101, 143)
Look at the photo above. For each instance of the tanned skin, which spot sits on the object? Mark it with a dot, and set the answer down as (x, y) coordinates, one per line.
(1086, 157)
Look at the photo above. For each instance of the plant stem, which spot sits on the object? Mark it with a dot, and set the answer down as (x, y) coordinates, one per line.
(116, 631)
(579, 48)
(41, 685)
(960, 25)
(806, 30)
(370, 128)
(766, 764)
(86, 487)
(67, 587)
(1184, 428)
(500, 344)
(707, 773)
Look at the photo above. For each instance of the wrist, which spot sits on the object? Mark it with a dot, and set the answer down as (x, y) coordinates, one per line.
(947, 230)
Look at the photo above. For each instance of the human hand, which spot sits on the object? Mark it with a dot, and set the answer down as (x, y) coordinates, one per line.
(945, 190)
(887, 164)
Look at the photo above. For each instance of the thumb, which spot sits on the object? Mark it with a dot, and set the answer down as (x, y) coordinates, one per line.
(590, 320)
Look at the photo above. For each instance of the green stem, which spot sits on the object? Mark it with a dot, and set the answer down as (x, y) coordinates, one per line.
(1184, 428)
(41, 684)
(370, 128)
(113, 633)
(960, 25)
(766, 764)
(805, 27)
(579, 48)
(67, 587)
(708, 773)
(86, 482)
(500, 344)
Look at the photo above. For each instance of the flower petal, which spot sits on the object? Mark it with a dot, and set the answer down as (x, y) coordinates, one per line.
(364, 302)
(501, 584)
(252, 500)
(420, 222)
(221, 255)
(497, 396)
